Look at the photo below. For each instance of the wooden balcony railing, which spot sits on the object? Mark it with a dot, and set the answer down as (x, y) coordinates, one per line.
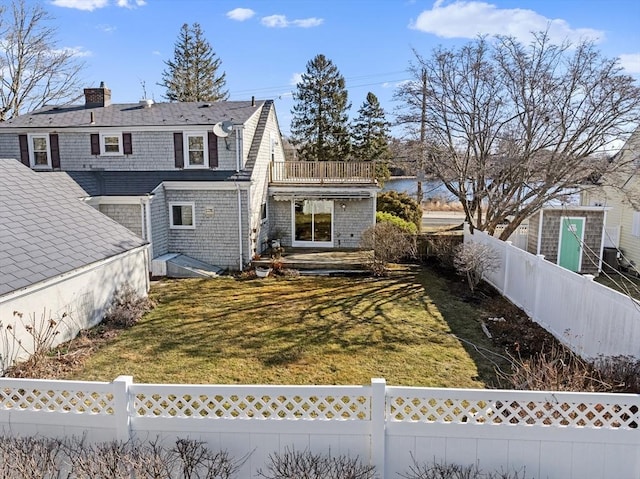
(314, 172)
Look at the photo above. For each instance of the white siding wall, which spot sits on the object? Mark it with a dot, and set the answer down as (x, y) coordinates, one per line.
(76, 300)
(260, 180)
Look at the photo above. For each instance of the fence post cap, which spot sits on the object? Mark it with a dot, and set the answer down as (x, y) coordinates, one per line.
(124, 379)
(378, 381)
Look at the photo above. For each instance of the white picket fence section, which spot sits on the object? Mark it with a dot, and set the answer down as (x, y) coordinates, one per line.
(589, 318)
(553, 435)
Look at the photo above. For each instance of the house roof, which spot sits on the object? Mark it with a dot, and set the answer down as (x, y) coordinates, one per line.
(126, 115)
(46, 231)
(137, 183)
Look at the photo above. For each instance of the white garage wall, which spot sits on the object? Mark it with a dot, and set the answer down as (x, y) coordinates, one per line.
(73, 301)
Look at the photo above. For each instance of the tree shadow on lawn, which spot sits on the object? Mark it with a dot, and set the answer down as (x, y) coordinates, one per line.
(301, 322)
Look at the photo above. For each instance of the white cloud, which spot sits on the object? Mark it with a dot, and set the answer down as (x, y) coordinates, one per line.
(631, 63)
(240, 14)
(91, 5)
(295, 79)
(468, 19)
(156, 52)
(131, 3)
(78, 52)
(106, 28)
(308, 22)
(88, 5)
(281, 21)
(275, 21)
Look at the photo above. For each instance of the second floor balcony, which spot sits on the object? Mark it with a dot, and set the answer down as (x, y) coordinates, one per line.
(323, 172)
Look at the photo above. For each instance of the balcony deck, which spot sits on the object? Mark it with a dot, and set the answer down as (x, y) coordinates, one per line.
(323, 172)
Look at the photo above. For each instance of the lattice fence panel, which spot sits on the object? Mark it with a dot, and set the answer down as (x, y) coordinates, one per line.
(522, 411)
(57, 400)
(246, 406)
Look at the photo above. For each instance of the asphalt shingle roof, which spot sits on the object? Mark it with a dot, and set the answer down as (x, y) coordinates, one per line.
(46, 230)
(134, 115)
(137, 183)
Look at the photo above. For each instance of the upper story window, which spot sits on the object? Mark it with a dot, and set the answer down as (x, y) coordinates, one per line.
(196, 150)
(111, 144)
(39, 151)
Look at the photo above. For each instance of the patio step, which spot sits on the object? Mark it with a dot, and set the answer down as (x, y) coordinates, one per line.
(327, 262)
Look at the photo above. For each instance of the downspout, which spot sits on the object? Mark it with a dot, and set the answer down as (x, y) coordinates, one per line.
(240, 259)
(239, 148)
(146, 220)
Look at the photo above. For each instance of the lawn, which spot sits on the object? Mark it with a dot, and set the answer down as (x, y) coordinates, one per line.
(305, 330)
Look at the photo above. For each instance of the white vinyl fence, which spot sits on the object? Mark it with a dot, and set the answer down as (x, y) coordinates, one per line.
(589, 318)
(552, 435)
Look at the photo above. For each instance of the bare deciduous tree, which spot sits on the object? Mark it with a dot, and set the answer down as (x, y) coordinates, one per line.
(510, 127)
(35, 71)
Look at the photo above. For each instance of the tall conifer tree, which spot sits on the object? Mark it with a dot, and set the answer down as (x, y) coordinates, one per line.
(194, 72)
(319, 127)
(371, 136)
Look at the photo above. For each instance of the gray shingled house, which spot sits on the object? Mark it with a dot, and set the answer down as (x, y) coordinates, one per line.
(60, 259)
(207, 181)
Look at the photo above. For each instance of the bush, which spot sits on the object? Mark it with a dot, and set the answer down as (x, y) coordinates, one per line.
(559, 369)
(408, 227)
(389, 244)
(473, 260)
(292, 464)
(43, 458)
(437, 470)
(127, 307)
(400, 205)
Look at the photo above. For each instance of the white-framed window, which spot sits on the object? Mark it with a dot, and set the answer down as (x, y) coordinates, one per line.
(182, 215)
(635, 224)
(263, 212)
(39, 151)
(111, 144)
(196, 152)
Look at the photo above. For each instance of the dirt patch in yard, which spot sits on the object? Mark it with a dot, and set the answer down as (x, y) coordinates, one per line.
(511, 329)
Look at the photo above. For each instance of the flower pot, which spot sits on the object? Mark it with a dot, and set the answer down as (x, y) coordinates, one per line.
(262, 272)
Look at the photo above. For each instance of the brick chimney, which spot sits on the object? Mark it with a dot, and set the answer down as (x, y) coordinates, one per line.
(97, 97)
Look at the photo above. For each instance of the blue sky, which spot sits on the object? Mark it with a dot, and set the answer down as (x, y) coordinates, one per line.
(265, 45)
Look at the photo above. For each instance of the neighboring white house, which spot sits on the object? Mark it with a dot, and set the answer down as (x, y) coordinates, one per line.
(61, 261)
(622, 196)
(204, 180)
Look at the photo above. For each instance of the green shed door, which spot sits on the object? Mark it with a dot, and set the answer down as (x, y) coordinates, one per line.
(570, 245)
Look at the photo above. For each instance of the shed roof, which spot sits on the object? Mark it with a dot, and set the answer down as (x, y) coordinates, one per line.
(46, 230)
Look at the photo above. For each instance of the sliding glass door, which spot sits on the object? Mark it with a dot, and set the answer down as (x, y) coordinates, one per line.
(313, 223)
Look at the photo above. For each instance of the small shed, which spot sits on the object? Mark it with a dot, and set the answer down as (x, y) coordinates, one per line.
(570, 236)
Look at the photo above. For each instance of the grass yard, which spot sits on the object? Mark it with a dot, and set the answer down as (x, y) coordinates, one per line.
(306, 330)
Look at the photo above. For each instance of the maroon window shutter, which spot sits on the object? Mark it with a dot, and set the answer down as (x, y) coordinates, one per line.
(55, 150)
(127, 146)
(178, 150)
(24, 150)
(213, 150)
(95, 144)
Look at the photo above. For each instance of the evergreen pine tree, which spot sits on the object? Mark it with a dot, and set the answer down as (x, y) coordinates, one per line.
(192, 74)
(319, 127)
(371, 136)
